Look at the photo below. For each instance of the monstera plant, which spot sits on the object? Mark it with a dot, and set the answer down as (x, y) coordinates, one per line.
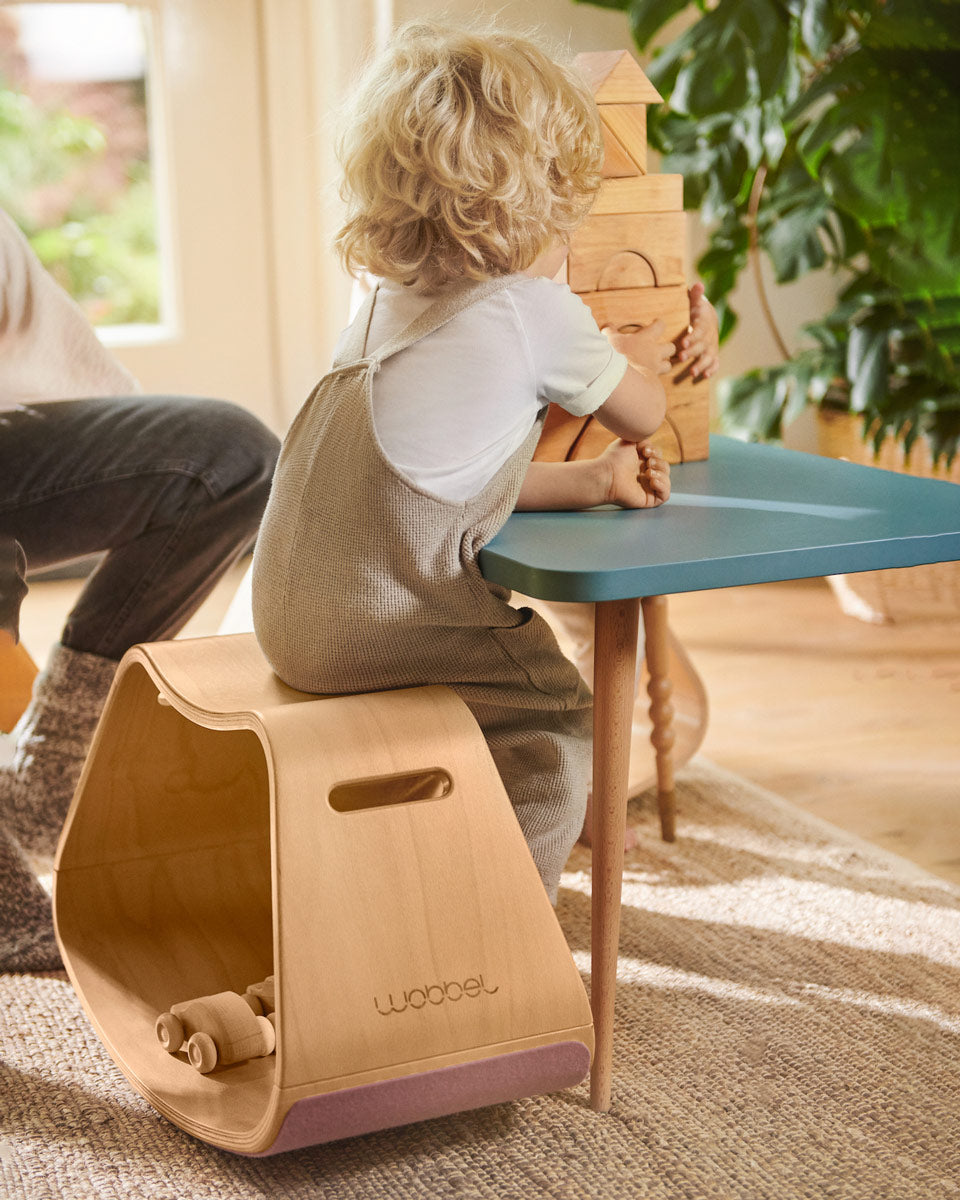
(825, 133)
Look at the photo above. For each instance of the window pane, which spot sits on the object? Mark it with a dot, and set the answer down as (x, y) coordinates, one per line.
(75, 163)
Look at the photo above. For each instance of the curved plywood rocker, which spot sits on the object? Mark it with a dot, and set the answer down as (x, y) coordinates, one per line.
(361, 851)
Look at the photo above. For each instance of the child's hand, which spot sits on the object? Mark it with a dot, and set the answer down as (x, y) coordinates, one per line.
(639, 475)
(642, 346)
(700, 345)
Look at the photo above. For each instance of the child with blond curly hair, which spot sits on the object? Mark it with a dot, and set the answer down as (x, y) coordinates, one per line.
(469, 157)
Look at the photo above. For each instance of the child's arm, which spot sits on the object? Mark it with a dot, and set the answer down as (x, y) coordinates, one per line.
(629, 472)
(637, 405)
(633, 476)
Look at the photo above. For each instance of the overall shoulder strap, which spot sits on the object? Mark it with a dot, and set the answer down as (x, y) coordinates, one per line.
(355, 342)
(461, 297)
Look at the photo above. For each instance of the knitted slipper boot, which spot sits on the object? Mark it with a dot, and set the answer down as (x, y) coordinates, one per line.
(51, 741)
(27, 942)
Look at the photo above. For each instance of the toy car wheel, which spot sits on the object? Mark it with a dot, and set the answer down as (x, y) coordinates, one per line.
(268, 1031)
(170, 1032)
(202, 1052)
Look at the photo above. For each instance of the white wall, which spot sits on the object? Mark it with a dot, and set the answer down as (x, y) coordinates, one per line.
(581, 26)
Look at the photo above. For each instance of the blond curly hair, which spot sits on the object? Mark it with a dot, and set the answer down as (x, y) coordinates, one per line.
(465, 153)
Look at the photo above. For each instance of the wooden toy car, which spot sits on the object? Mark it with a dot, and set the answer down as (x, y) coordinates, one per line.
(218, 1030)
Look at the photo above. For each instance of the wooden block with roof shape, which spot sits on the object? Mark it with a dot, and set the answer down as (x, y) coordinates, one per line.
(622, 92)
(615, 77)
(361, 850)
(628, 258)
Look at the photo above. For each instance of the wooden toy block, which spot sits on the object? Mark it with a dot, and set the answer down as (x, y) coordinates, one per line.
(617, 161)
(359, 849)
(641, 306)
(615, 77)
(688, 418)
(628, 124)
(640, 194)
(640, 250)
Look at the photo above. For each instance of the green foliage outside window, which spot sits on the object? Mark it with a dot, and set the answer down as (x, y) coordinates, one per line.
(104, 255)
(825, 133)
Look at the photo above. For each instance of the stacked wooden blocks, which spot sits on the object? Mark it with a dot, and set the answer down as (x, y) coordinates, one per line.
(627, 258)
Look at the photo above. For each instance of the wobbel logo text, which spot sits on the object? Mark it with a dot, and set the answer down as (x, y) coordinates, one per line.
(435, 993)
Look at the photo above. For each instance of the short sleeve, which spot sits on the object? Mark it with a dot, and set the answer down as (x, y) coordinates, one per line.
(573, 363)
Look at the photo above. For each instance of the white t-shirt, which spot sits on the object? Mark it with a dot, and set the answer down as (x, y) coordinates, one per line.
(451, 409)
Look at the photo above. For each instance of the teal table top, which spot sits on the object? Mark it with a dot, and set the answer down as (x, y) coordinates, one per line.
(748, 514)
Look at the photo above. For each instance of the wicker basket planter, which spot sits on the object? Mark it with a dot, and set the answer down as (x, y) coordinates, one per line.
(911, 593)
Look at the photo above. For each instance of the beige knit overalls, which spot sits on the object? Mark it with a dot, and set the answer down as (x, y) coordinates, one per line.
(364, 582)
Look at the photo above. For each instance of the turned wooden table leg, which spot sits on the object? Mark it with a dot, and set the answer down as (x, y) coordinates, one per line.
(616, 623)
(660, 689)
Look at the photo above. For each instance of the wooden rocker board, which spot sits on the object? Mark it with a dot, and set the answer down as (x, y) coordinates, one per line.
(359, 848)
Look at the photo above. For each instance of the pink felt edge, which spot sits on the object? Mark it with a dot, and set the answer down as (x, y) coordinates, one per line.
(420, 1097)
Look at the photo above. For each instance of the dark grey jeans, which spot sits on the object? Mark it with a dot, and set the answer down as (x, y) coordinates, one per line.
(171, 488)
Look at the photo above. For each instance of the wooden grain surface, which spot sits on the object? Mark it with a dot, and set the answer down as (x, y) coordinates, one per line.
(856, 723)
(201, 854)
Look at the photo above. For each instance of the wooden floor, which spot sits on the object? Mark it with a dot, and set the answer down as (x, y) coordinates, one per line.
(858, 723)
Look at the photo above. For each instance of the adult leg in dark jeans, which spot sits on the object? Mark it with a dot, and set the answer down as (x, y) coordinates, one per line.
(172, 489)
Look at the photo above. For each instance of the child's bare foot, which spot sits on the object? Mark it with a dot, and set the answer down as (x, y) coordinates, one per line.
(586, 834)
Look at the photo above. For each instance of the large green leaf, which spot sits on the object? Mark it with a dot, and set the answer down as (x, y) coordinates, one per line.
(749, 405)
(664, 67)
(759, 403)
(766, 26)
(821, 27)
(868, 366)
(921, 24)
(888, 155)
(717, 84)
(720, 266)
(773, 136)
(864, 180)
(793, 242)
(648, 17)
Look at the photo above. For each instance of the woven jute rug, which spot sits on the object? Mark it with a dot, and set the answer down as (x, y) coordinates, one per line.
(788, 1025)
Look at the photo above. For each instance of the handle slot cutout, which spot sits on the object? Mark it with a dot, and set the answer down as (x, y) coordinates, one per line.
(382, 791)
